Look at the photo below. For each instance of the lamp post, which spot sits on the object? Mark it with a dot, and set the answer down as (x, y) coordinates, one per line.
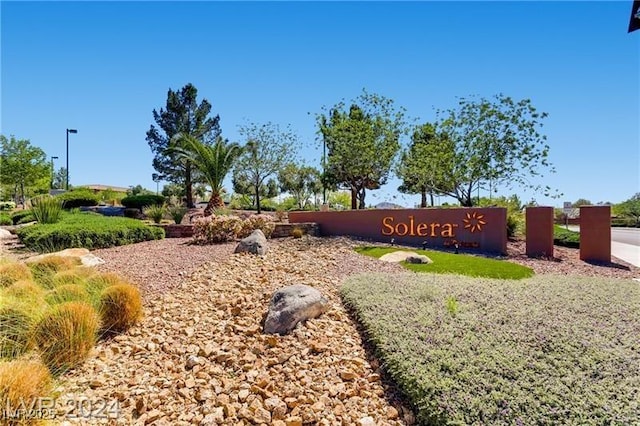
(67, 177)
(52, 172)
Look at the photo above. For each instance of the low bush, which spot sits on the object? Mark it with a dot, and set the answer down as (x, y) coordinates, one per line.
(66, 334)
(22, 382)
(13, 272)
(625, 222)
(78, 198)
(258, 221)
(216, 229)
(5, 219)
(177, 213)
(297, 232)
(46, 209)
(141, 201)
(87, 230)
(120, 307)
(155, 212)
(566, 238)
(7, 206)
(22, 216)
(547, 350)
(77, 275)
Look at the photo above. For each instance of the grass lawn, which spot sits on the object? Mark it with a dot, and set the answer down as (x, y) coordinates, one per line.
(463, 264)
(546, 350)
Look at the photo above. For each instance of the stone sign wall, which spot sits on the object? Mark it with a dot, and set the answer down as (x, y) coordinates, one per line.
(481, 229)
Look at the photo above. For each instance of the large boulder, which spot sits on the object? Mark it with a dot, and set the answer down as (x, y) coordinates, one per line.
(255, 243)
(405, 256)
(5, 234)
(292, 304)
(83, 254)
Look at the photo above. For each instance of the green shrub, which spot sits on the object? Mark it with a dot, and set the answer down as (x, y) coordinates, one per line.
(177, 213)
(22, 216)
(45, 269)
(565, 237)
(78, 198)
(297, 232)
(66, 334)
(216, 229)
(7, 205)
(155, 212)
(86, 230)
(46, 209)
(515, 222)
(5, 219)
(16, 323)
(547, 350)
(67, 293)
(257, 221)
(141, 201)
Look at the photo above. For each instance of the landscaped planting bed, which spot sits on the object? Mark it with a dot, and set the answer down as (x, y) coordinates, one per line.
(549, 349)
(88, 230)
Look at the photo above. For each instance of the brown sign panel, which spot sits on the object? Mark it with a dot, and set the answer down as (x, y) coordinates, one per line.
(481, 229)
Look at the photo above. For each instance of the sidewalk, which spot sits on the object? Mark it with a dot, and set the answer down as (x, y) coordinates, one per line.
(627, 252)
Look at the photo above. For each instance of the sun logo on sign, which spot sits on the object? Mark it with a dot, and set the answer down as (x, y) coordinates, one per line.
(474, 222)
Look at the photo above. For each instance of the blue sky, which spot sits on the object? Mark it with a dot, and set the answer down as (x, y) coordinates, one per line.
(102, 67)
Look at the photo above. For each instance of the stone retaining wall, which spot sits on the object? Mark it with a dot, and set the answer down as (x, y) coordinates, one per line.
(283, 230)
(177, 231)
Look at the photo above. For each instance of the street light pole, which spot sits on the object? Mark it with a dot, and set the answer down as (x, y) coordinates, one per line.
(52, 173)
(67, 177)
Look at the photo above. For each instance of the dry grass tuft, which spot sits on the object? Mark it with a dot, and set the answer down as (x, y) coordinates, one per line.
(66, 334)
(13, 272)
(24, 289)
(67, 293)
(46, 268)
(120, 307)
(21, 383)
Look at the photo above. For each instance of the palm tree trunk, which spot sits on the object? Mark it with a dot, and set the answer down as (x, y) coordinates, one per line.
(215, 202)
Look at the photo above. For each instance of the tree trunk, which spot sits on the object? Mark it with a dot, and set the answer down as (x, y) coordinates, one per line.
(188, 185)
(215, 202)
(257, 185)
(431, 195)
(361, 194)
(354, 198)
(423, 198)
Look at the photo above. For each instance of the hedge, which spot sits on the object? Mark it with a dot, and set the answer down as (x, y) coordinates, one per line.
(78, 198)
(140, 201)
(87, 230)
(22, 216)
(566, 238)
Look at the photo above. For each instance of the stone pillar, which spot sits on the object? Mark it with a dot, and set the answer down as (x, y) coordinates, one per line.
(595, 233)
(539, 232)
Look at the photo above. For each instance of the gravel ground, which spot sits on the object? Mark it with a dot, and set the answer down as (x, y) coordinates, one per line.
(199, 356)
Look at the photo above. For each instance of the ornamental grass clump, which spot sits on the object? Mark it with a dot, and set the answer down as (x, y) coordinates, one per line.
(216, 229)
(177, 213)
(65, 335)
(78, 275)
(22, 383)
(297, 233)
(155, 212)
(46, 268)
(24, 289)
(46, 209)
(67, 293)
(13, 272)
(18, 316)
(263, 222)
(120, 307)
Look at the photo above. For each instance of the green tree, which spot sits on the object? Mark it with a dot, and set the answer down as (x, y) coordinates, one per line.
(138, 190)
(173, 190)
(267, 150)
(245, 187)
(59, 178)
(213, 162)
(494, 142)
(361, 144)
(302, 182)
(631, 208)
(340, 200)
(424, 165)
(23, 167)
(182, 114)
(582, 202)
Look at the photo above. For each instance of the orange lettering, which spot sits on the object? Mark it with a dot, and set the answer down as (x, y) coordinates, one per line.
(433, 229)
(411, 226)
(387, 225)
(447, 230)
(403, 233)
(422, 229)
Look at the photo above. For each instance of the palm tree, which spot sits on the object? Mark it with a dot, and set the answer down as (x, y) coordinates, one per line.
(213, 161)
